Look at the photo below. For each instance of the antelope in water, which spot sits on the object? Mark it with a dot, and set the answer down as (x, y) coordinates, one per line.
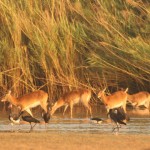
(139, 99)
(114, 100)
(71, 98)
(28, 101)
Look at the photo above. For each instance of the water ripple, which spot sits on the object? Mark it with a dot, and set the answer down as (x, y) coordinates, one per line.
(134, 126)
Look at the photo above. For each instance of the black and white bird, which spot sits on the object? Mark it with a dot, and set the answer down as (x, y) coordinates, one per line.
(30, 120)
(46, 117)
(96, 120)
(117, 115)
(14, 119)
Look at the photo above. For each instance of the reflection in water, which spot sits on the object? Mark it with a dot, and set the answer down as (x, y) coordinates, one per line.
(139, 122)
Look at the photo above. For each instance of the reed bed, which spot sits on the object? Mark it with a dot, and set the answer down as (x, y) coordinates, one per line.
(65, 44)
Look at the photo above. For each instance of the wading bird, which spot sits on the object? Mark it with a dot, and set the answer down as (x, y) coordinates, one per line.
(117, 115)
(14, 120)
(97, 120)
(71, 98)
(30, 120)
(46, 115)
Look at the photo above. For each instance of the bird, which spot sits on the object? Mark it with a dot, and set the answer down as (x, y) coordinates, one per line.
(117, 115)
(15, 119)
(46, 115)
(96, 120)
(30, 120)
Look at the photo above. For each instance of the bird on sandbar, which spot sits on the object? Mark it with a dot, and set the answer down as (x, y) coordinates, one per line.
(30, 120)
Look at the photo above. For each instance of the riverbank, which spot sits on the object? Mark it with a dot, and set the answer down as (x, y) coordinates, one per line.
(72, 141)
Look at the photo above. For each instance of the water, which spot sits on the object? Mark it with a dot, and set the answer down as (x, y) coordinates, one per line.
(139, 123)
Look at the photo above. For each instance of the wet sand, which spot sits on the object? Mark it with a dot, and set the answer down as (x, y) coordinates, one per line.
(72, 141)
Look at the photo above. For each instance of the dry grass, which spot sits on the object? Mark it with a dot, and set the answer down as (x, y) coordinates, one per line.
(61, 45)
(73, 141)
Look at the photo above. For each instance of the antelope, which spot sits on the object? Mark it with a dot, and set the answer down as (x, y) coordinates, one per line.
(28, 101)
(114, 100)
(139, 99)
(71, 98)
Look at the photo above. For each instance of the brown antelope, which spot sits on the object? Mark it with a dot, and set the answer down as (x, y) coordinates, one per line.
(71, 98)
(139, 99)
(28, 101)
(114, 100)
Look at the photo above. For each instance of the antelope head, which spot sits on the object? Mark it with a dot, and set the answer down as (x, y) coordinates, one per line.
(6, 97)
(101, 93)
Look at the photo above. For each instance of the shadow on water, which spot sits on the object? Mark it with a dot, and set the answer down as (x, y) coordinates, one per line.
(139, 122)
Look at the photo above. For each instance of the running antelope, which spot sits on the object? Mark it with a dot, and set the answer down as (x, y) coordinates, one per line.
(114, 100)
(139, 99)
(28, 101)
(71, 98)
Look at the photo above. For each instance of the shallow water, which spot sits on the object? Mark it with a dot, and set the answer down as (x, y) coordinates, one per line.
(139, 123)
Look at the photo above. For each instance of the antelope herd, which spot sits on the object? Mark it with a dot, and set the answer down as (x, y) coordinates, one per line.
(115, 103)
